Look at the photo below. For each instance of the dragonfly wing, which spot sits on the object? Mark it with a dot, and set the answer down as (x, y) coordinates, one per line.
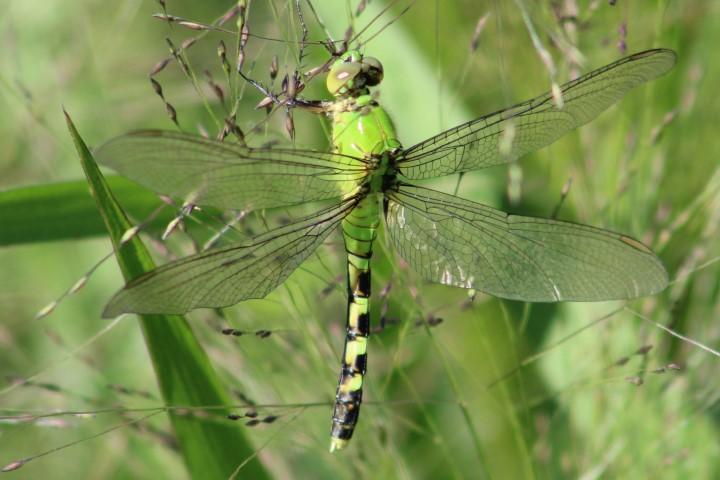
(508, 134)
(225, 175)
(225, 276)
(457, 242)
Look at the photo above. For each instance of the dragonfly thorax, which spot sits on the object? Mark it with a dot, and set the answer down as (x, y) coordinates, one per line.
(383, 173)
(364, 132)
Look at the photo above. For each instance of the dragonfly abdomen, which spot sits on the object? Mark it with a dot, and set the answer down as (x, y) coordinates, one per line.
(359, 231)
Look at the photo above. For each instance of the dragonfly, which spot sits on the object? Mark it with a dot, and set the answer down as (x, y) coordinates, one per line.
(365, 178)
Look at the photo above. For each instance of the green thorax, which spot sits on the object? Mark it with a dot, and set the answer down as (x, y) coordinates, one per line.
(363, 129)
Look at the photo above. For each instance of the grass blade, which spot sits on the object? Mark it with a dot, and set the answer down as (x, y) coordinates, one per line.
(210, 447)
(65, 210)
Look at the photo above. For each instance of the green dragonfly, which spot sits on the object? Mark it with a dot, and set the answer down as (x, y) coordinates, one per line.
(367, 177)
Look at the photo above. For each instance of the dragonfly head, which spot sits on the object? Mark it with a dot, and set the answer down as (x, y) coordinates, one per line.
(352, 73)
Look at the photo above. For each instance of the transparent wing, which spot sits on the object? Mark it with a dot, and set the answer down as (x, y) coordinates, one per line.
(225, 276)
(508, 134)
(226, 175)
(457, 242)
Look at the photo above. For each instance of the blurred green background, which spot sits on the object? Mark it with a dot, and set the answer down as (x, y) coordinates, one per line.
(594, 398)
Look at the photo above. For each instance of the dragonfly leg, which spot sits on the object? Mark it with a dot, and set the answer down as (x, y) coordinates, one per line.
(315, 106)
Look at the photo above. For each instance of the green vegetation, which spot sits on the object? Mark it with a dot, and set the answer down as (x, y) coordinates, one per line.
(602, 390)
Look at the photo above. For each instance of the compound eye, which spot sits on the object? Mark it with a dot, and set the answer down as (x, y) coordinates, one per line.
(341, 77)
(373, 71)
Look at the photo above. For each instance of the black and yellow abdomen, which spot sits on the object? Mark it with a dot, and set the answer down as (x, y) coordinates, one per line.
(362, 129)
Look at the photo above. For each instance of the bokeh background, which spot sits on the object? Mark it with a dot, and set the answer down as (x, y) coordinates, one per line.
(507, 389)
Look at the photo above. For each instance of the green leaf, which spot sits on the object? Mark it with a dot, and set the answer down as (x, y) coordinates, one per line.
(64, 211)
(211, 446)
